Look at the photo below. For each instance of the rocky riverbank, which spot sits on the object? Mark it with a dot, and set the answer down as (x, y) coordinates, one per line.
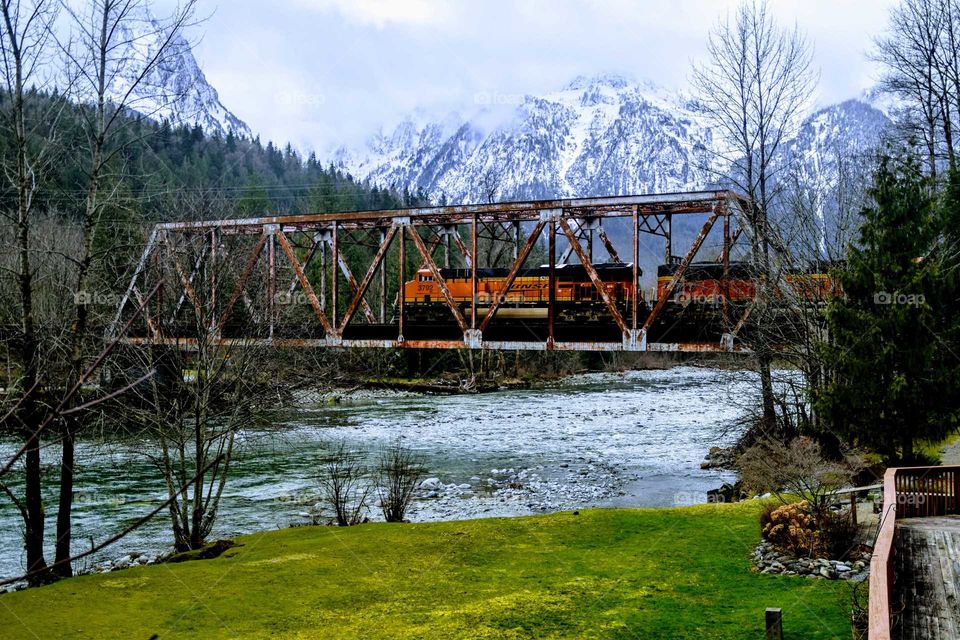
(769, 559)
(576, 484)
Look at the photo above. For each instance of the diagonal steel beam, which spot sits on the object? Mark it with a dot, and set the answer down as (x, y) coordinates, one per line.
(462, 248)
(238, 289)
(746, 316)
(614, 256)
(680, 271)
(141, 265)
(594, 277)
(367, 279)
(345, 269)
(251, 309)
(517, 264)
(434, 245)
(569, 250)
(302, 277)
(306, 263)
(444, 290)
(193, 276)
(151, 324)
(185, 282)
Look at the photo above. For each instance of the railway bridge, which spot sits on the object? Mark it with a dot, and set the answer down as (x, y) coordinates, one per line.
(291, 280)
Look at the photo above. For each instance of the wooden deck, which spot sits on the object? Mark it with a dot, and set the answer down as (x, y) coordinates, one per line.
(928, 578)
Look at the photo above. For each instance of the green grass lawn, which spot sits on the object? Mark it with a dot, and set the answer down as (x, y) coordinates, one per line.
(625, 573)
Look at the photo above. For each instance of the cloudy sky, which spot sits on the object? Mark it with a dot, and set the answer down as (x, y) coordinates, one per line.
(322, 72)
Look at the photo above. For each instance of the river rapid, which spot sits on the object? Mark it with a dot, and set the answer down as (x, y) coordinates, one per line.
(594, 440)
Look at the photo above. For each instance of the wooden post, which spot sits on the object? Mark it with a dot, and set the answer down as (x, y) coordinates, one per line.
(853, 507)
(774, 624)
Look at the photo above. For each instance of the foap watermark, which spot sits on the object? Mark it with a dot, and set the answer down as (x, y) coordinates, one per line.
(96, 298)
(700, 299)
(290, 298)
(300, 98)
(899, 297)
(498, 98)
(487, 298)
(689, 498)
(911, 499)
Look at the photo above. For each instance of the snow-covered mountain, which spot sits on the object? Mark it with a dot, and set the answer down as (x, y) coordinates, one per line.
(176, 88)
(603, 135)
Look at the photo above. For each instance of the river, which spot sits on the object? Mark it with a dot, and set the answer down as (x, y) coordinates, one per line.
(603, 439)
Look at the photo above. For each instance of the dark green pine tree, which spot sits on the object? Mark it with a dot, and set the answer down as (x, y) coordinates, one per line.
(885, 391)
(945, 299)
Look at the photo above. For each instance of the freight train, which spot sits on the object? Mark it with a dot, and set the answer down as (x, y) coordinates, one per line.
(703, 284)
(576, 298)
(700, 290)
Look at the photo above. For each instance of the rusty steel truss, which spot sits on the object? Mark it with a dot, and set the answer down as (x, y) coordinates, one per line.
(230, 282)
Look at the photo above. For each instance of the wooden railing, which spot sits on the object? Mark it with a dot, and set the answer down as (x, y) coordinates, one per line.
(908, 492)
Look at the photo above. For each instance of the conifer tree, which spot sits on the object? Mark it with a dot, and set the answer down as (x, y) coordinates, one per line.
(885, 391)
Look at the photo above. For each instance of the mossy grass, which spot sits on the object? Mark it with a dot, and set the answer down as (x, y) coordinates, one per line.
(606, 573)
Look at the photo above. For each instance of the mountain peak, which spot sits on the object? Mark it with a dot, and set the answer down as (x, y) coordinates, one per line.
(600, 135)
(613, 80)
(176, 89)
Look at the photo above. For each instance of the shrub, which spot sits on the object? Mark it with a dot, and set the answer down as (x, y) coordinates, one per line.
(766, 514)
(838, 535)
(399, 473)
(796, 469)
(793, 528)
(342, 485)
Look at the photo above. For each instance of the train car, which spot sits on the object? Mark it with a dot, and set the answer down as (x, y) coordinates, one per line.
(702, 283)
(577, 299)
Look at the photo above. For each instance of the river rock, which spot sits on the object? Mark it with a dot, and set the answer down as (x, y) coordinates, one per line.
(770, 560)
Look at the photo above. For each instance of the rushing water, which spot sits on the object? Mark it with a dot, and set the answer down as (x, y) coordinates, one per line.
(633, 439)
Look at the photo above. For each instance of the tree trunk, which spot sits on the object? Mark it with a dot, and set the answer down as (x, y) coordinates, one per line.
(62, 568)
(78, 333)
(907, 453)
(766, 391)
(33, 538)
(29, 349)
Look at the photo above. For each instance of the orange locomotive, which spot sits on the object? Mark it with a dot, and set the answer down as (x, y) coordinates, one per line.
(577, 299)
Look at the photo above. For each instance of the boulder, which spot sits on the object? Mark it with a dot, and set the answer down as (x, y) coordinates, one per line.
(431, 483)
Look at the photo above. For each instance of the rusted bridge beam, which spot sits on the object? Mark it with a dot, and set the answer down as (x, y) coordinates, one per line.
(679, 203)
(514, 270)
(429, 228)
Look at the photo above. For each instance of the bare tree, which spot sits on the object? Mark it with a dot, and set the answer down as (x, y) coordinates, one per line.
(919, 54)
(819, 217)
(112, 76)
(754, 88)
(344, 486)
(399, 473)
(193, 410)
(796, 469)
(25, 49)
